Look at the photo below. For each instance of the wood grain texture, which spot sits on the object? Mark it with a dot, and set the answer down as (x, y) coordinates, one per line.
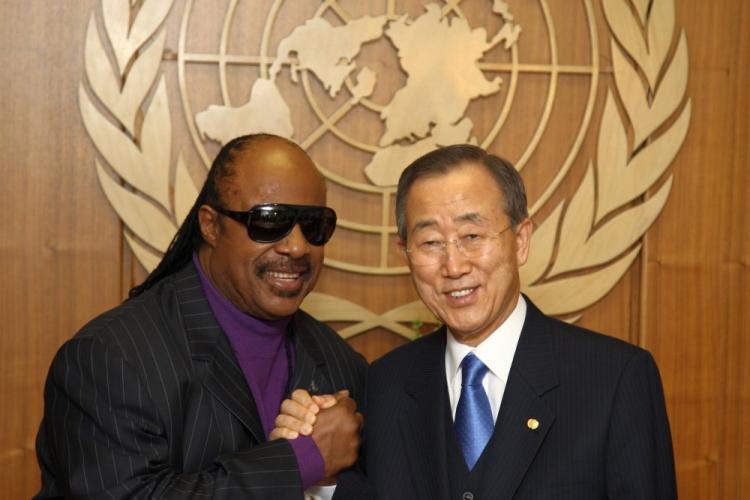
(60, 250)
(735, 477)
(696, 319)
(64, 260)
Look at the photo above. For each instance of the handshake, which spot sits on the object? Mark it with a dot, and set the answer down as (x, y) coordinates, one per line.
(333, 422)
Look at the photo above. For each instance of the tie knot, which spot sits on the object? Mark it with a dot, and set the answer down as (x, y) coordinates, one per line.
(472, 370)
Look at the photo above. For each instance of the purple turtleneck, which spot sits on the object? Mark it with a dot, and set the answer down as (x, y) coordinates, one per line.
(259, 347)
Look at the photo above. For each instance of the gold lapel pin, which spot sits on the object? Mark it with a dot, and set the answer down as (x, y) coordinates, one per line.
(532, 424)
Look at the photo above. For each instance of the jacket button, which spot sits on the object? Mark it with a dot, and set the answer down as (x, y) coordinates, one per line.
(468, 495)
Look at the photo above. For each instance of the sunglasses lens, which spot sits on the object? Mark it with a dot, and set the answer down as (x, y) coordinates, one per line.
(317, 224)
(269, 224)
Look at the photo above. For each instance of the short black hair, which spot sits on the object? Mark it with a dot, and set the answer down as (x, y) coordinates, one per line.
(446, 159)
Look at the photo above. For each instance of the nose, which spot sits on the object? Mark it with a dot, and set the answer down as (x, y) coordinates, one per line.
(455, 264)
(293, 244)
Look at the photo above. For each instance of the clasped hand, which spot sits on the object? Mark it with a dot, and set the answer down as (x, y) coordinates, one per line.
(331, 420)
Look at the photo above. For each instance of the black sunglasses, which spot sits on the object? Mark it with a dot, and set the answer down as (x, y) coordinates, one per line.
(271, 222)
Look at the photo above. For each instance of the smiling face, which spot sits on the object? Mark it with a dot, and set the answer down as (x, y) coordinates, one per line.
(472, 296)
(266, 280)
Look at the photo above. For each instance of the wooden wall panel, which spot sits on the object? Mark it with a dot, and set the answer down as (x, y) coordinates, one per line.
(60, 245)
(697, 293)
(734, 246)
(63, 259)
(735, 479)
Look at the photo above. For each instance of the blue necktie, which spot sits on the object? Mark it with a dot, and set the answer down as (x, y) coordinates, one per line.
(474, 424)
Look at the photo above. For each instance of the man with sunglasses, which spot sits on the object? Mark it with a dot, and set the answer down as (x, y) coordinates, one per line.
(502, 402)
(174, 393)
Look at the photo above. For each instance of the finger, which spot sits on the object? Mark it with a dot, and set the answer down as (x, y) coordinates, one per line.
(296, 410)
(348, 404)
(282, 433)
(343, 393)
(303, 398)
(292, 424)
(325, 400)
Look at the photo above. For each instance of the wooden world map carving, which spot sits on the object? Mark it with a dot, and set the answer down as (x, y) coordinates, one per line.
(450, 65)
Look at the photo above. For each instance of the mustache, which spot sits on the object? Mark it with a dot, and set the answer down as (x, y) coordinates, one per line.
(302, 265)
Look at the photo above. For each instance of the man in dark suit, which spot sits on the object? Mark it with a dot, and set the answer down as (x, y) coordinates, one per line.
(173, 394)
(502, 402)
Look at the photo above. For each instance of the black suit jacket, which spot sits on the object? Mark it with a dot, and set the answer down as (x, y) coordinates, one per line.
(603, 429)
(148, 401)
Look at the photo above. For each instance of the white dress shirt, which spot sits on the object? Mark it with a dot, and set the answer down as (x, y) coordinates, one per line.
(496, 352)
(320, 492)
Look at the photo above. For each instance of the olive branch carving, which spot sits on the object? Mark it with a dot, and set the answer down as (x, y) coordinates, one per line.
(579, 252)
(598, 230)
(131, 126)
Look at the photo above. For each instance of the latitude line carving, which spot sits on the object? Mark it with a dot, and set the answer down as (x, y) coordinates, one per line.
(575, 225)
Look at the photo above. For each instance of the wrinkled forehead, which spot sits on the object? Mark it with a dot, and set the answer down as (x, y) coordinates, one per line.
(274, 171)
(470, 220)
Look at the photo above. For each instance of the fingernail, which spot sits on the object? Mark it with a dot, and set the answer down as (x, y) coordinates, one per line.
(307, 429)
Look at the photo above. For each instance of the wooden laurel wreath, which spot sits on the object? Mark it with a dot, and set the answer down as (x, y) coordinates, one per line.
(578, 253)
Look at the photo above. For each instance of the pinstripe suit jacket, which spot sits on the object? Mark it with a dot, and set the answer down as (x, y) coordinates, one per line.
(148, 401)
(603, 429)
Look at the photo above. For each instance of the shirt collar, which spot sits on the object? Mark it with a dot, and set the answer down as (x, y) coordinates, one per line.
(235, 322)
(496, 351)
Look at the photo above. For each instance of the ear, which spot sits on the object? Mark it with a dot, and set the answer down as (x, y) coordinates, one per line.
(208, 218)
(404, 255)
(523, 240)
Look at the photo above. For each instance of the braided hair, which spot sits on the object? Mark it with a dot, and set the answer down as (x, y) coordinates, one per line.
(189, 237)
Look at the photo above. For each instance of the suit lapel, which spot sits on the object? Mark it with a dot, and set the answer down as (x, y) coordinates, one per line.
(310, 369)
(211, 351)
(424, 422)
(514, 443)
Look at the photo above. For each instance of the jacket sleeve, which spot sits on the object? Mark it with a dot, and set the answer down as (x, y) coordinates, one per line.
(640, 463)
(102, 437)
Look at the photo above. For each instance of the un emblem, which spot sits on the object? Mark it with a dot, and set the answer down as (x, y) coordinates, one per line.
(366, 87)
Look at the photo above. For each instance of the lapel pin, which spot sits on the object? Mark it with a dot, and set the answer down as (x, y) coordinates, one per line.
(532, 424)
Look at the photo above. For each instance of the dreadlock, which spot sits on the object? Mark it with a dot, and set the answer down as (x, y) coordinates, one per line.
(188, 237)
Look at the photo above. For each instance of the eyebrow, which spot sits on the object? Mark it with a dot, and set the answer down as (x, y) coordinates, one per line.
(468, 217)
